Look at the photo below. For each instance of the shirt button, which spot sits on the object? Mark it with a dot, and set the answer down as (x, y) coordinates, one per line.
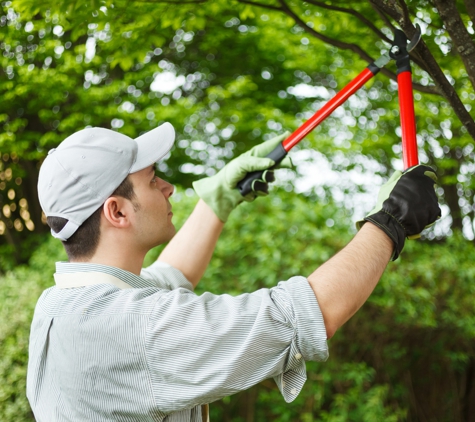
(293, 391)
(298, 356)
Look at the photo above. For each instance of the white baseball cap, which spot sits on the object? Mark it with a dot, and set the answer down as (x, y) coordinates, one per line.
(79, 175)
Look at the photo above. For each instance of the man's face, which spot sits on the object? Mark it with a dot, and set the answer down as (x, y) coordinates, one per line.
(153, 218)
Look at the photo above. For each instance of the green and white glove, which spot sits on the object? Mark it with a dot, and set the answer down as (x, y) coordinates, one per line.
(407, 204)
(220, 192)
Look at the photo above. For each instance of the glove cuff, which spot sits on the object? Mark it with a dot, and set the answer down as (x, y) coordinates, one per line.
(389, 225)
(222, 202)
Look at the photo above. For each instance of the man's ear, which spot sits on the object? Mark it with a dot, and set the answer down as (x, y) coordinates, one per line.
(118, 211)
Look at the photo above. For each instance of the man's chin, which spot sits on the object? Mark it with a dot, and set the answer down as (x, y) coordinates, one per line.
(172, 232)
(170, 235)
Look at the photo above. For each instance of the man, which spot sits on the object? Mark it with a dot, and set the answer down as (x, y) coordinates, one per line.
(115, 342)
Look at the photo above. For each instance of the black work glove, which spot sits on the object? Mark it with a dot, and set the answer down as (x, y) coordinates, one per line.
(407, 204)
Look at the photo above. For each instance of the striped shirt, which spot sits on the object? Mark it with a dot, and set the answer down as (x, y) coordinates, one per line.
(158, 351)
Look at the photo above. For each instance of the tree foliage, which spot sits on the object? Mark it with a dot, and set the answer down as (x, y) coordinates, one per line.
(227, 74)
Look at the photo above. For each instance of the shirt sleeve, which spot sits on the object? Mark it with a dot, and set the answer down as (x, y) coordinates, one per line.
(310, 342)
(165, 276)
(202, 348)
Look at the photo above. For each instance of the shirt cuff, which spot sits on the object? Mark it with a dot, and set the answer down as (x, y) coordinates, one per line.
(165, 276)
(310, 338)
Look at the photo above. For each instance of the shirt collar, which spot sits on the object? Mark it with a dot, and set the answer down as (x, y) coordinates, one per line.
(83, 267)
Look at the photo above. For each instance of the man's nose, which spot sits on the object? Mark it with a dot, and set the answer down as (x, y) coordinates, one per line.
(167, 188)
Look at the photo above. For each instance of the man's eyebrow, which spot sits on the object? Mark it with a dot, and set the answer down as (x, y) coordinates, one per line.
(152, 168)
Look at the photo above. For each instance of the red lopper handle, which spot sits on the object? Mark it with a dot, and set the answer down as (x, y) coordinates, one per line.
(408, 121)
(328, 108)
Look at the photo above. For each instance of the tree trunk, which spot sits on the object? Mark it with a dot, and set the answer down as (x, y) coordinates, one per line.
(458, 33)
(452, 199)
(468, 397)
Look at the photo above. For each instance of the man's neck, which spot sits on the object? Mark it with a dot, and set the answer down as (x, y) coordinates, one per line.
(127, 260)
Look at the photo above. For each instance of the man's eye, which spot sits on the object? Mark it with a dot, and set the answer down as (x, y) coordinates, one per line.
(154, 180)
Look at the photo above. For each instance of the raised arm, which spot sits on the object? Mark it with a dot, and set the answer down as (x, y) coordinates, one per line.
(343, 283)
(406, 204)
(192, 247)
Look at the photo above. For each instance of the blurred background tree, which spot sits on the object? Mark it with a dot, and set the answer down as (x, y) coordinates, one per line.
(228, 74)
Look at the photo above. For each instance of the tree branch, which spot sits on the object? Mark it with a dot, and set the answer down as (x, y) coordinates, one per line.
(354, 13)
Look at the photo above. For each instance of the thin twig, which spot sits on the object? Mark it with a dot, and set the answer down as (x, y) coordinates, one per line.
(383, 9)
(266, 6)
(382, 15)
(337, 43)
(354, 13)
(405, 12)
(352, 47)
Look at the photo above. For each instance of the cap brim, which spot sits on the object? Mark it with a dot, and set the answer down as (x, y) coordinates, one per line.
(153, 146)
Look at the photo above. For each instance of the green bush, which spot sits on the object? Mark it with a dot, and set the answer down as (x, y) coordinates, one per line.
(390, 362)
(19, 291)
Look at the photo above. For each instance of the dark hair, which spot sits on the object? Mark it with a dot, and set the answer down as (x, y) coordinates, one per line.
(83, 243)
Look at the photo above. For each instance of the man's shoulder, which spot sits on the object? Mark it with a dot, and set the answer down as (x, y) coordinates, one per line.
(97, 299)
